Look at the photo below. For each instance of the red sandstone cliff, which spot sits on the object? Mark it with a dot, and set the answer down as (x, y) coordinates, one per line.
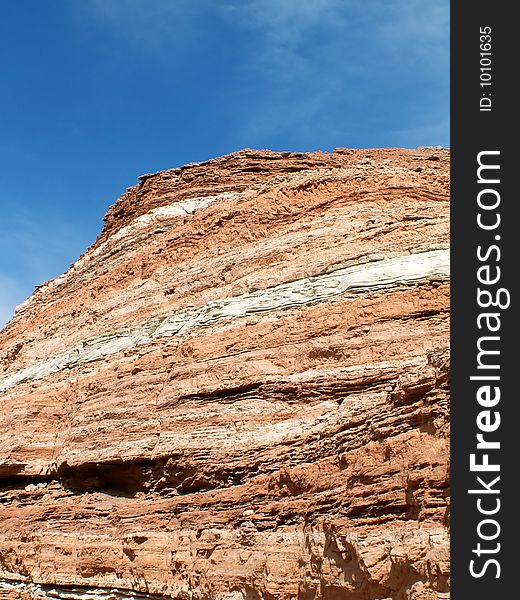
(240, 391)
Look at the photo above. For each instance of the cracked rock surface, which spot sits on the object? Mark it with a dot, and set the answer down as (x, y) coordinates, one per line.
(240, 391)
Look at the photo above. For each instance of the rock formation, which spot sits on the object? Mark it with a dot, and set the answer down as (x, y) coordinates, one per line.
(240, 391)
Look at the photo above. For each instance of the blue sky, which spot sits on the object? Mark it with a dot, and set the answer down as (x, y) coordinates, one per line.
(97, 92)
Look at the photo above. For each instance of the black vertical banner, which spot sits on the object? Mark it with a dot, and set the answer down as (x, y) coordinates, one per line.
(485, 425)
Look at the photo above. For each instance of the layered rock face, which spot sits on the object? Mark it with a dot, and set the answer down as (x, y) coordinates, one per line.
(240, 391)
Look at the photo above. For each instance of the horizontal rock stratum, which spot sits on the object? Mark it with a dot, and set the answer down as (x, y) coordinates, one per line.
(240, 391)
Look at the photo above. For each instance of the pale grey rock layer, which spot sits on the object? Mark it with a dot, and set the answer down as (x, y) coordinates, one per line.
(390, 272)
(72, 593)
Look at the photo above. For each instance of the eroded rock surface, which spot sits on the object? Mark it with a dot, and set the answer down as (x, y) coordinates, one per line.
(240, 391)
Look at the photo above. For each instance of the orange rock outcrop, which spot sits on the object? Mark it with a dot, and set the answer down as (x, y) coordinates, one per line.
(240, 391)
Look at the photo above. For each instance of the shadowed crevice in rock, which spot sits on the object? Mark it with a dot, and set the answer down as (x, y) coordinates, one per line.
(127, 478)
(14, 482)
(165, 475)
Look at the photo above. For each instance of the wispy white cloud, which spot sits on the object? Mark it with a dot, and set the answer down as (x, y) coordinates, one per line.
(153, 25)
(284, 22)
(311, 54)
(417, 33)
(309, 69)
